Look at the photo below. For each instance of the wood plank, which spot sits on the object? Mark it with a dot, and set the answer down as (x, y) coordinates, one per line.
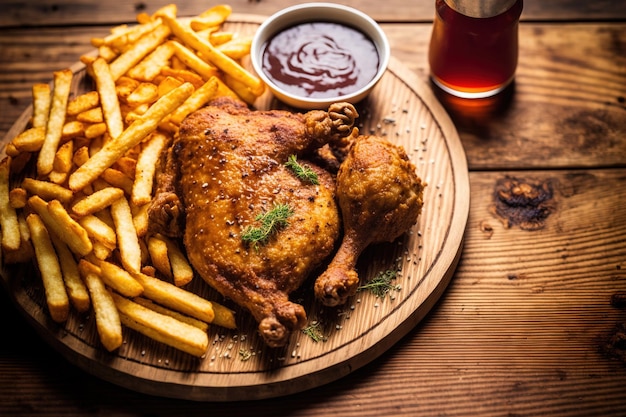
(88, 12)
(569, 100)
(520, 330)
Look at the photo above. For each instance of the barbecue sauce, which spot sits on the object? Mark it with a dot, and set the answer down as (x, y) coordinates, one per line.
(320, 59)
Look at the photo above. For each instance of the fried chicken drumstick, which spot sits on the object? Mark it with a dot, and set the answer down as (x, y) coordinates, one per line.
(380, 197)
(227, 168)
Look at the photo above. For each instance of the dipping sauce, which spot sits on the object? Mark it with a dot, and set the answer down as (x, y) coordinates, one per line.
(320, 59)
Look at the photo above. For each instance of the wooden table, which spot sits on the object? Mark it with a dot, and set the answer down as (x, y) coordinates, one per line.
(534, 320)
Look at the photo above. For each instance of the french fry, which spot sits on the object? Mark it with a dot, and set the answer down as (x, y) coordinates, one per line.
(74, 285)
(18, 198)
(127, 239)
(150, 66)
(120, 280)
(181, 270)
(198, 99)
(223, 316)
(8, 216)
(176, 298)
(56, 120)
(168, 312)
(109, 102)
(99, 230)
(95, 130)
(157, 249)
(49, 269)
(72, 130)
(145, 168)
(30, 140)
(83, 102)
(161, 327)
(145, 93)
(212, 17)
(108, 321)
(146, 44)
(91, 116)
(63, 157)
(132, 136)
(97, 201)
(236, 48)
(47, 190)
(41, 104)
(191, 60)
(25, 252)
(118, 179)
(68, 229)
(209, 52)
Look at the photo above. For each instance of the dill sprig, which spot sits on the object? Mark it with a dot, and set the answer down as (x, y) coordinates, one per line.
(304, 173)
(313, 331)
(271, 222)
(381, 284)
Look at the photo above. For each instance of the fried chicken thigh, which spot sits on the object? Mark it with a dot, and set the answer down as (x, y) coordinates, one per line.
(380, 197)
(227, 168)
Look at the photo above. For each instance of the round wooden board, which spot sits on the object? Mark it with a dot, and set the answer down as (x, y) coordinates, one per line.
(237, 365)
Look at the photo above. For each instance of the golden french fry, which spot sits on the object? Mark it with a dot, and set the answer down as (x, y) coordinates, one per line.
(176, 298)
(223, 316)
(50, 270)
(99, 230)
(95, 130)
(108, 321)
(146, 44)
(124, 86)
(72, 130)
(212, 17)
(198, 99)
(183, 75)
(168, 84)
(47, 190)
(25, 252)
(91, 116)
(236, 48)
(105, 85)
(75, 287)
(136, 132)
(157, 248)
(63, 157)
(30, 140)
(8, 216)
(56, 120)
(191, 60)
(120, 280)
(41, 104)
(144, 93)
(219, 38)
(83, 102)
(214, 56)
(118, 179)
(181, 270)
(127, 239)
(161, 327)
(240, 89)
(18, 198)
(68, 229)
(146, 168)
(97, 201)
(141, 219)
(168, 312)
(150, 66)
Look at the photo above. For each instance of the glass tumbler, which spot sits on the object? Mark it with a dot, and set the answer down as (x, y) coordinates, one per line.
(474, 46)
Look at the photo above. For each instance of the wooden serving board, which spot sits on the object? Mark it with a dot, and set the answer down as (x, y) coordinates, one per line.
(237, 365)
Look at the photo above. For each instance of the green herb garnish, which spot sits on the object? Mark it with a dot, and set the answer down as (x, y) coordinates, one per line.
(381, 284)
(313, 331)
(271, 222)
(304, 173)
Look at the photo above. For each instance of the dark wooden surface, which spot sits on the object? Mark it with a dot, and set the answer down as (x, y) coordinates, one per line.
(527, 325)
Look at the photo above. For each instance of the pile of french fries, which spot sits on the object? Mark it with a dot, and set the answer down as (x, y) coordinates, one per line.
(75, 186)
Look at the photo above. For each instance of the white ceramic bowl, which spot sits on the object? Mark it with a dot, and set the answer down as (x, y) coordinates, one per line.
(318, 12)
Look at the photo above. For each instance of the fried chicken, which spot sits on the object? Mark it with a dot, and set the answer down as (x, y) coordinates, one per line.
(380, 197)
(226, 169)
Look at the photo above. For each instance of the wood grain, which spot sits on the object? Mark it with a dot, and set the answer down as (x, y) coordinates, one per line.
(401, 109)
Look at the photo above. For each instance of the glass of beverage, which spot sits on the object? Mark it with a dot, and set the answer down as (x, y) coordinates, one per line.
(474, 46)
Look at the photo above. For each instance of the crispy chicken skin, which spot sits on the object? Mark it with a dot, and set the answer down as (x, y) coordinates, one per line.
(227, 167)
(380, 197)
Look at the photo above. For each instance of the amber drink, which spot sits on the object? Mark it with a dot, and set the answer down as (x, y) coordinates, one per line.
(474, 46)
